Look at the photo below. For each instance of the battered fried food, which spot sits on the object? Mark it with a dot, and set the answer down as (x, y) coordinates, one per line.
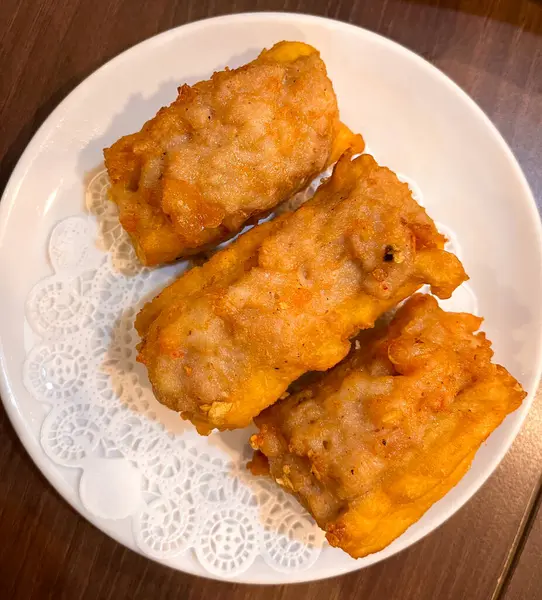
(380, 438)
(226, 340)
(226, 151)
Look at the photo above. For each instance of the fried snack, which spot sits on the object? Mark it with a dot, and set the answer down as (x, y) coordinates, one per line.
(227, 151)
(226, 339)
(375, 442)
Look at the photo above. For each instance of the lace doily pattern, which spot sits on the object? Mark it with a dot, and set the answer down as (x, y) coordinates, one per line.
(183, 493)
(138, 460)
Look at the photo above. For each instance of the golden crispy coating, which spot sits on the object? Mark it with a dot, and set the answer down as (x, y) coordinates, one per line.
(371, 445)
(227, 150)
(226, 340)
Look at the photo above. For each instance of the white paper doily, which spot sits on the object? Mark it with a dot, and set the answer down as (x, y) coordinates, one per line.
(137, 459)
(94, 421)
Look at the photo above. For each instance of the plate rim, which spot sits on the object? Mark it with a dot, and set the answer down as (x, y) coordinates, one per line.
(9, 195)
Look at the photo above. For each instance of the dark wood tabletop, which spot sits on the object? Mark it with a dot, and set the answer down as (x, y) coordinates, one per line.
(492, 548)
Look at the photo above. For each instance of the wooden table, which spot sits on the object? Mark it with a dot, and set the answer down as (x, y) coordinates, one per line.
(492, 548)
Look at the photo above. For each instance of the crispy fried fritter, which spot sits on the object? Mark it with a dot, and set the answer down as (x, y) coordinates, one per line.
(227, 150)
(375, 442)
(226, 339)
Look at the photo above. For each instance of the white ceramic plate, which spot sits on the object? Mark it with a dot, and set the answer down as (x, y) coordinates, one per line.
(414, 119)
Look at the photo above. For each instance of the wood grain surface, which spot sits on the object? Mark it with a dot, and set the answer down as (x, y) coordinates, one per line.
(492, 547)
(524, 580)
